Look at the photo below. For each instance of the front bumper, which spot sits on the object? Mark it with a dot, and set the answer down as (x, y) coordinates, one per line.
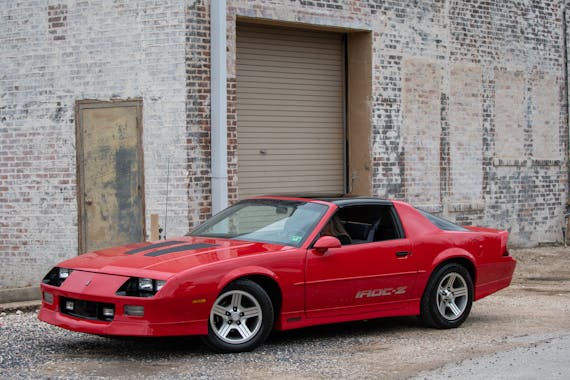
(122, 327)
(91, 292)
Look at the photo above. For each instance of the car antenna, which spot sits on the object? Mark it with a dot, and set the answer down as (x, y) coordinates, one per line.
(166, 200)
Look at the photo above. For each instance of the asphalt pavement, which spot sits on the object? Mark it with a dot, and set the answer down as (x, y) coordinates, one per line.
(546, 357)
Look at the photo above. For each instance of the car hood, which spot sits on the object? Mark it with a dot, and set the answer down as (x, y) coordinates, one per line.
(165, 258)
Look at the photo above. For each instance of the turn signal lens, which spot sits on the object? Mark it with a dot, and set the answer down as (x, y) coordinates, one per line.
(48, 298)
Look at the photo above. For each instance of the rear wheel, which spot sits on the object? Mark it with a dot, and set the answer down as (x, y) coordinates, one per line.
(241, 318)
(448, 297)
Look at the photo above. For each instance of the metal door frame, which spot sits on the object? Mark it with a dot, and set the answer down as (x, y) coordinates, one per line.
(80, 174)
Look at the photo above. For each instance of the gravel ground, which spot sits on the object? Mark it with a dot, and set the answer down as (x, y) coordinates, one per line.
(536, 306)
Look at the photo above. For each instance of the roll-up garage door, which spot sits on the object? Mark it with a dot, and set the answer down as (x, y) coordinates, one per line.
(290, 109)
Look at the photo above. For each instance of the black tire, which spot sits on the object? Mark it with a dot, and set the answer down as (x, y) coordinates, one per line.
(448, 297)
(241, 318)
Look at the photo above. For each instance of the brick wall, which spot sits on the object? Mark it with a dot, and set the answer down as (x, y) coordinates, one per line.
(494, 146)
(53, 54)
(469, 115)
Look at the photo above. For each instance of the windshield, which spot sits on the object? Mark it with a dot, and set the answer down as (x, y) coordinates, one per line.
(265, 220)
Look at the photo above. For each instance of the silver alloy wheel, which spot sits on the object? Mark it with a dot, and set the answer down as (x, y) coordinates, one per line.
(452, 296)
(236, 317)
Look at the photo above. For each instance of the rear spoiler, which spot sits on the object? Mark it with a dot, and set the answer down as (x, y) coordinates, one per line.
(504, 242)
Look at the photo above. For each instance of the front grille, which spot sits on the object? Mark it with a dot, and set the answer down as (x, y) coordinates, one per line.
(86, 309)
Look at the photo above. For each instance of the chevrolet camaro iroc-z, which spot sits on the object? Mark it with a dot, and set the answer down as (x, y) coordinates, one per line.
(282, 263)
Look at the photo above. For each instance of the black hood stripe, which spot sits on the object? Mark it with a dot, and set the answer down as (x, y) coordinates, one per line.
(180, 248)
(152, 246)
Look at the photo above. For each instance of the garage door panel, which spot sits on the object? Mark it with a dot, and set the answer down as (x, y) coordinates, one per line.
(320, 146)
(286, 138)
(253, 168)
(294, 112)
(289, 71)
(258, 36)
(262, 97)
(260, 61)
(281, 125)
(288, 176)
(302, 81)
(318, 52)
(250, 88)
(293, 189)
(290, 108)
(316, 104)
(311, 47)
(278, 131)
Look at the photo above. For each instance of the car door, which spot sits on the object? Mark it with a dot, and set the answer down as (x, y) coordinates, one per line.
(359, 278)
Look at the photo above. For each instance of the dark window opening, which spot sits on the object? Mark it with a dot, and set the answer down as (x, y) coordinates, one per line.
(369, 223)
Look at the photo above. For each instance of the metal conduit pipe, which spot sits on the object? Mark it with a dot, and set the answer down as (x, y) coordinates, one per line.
(218, 110)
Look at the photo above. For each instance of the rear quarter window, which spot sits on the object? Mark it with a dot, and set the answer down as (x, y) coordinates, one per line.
(442, 223)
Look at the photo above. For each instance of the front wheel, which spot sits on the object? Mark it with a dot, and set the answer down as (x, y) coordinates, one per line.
(448, 297)
(240, 319)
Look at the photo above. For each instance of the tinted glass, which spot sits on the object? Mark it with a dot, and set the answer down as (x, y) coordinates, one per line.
(442, 223)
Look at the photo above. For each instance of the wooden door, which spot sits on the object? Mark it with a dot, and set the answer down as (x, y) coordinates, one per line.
(110, 174)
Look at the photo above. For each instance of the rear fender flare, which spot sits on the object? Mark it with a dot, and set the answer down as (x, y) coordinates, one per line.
(452, 254)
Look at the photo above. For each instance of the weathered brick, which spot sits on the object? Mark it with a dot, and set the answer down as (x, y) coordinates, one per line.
(478, 131)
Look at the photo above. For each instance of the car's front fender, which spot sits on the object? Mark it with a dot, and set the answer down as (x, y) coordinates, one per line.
(245, 272)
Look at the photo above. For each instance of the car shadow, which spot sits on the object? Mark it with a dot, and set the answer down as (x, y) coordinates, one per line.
(83, 345)
(346, 330)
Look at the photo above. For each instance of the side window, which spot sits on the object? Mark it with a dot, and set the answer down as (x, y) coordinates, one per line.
(388, 226)
(370, 223)
(335, 227)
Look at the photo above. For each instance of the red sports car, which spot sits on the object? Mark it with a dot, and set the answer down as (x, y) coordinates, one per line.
(282, 263)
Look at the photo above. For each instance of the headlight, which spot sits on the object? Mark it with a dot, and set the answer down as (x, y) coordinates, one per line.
(140, 287)
(146, 285)
(57, 276)
(64, 273)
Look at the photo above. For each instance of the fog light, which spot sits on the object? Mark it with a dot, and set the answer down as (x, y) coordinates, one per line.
(48, 298)
(135, 311)
(69, 305)
(108, 312)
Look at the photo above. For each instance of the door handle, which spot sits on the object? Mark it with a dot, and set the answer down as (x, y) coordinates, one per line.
(402, 254)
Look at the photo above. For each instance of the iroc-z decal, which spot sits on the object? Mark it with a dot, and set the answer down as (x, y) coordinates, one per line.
(369, 293)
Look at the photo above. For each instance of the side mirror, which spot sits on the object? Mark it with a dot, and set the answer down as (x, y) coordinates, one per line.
(324, 243)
